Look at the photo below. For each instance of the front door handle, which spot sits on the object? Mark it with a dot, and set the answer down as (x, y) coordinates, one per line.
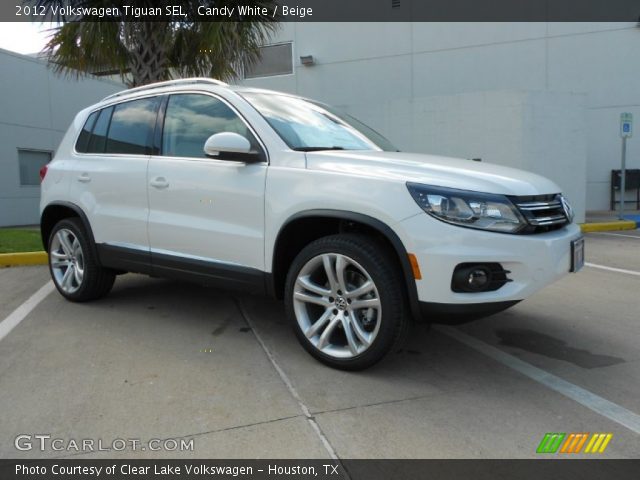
(159, 182)
(84, 178)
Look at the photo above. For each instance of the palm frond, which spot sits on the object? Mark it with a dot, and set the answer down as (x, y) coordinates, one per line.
(81, 48)
(143, 52)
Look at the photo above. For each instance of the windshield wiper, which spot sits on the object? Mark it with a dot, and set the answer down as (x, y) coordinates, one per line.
(316, 149)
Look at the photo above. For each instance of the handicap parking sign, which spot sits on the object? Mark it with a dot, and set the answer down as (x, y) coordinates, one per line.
(626, 125)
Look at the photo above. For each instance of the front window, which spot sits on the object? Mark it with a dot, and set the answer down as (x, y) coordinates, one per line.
(309, 126)
(192, 118)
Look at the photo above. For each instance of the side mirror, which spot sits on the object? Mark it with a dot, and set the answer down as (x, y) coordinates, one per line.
(230, 146)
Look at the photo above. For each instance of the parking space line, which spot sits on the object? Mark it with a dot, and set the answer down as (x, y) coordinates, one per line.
(612, 269)
(285, 379)
(600, 405)
(616, 235)
(19, 314)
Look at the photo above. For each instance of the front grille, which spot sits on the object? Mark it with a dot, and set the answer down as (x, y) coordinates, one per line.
(543, 213)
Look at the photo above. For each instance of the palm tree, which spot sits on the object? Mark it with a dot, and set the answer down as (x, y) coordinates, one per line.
(147, 52)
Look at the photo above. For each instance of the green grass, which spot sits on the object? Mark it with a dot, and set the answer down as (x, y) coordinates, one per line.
(14, 240)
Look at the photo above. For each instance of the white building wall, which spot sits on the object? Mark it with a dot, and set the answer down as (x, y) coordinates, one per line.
(575, 80)
(36, 107)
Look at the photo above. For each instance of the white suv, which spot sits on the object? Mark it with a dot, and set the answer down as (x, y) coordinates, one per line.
(271, 193)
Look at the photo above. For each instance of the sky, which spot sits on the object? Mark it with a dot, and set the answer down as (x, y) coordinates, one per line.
(23, 37)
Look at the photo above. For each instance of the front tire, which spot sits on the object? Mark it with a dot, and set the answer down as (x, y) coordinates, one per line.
(73, 265)
(345, 297)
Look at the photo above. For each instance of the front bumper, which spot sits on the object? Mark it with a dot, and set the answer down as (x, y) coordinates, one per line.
(534, 260)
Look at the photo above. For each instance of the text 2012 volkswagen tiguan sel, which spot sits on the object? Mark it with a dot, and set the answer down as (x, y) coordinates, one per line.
(272, 193)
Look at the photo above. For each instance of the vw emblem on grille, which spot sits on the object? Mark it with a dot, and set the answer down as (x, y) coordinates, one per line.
(568, 211)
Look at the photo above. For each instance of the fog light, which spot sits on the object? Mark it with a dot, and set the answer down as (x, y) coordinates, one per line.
(478, 277)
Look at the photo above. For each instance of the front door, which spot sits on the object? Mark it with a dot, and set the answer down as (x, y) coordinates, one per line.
(206, 216)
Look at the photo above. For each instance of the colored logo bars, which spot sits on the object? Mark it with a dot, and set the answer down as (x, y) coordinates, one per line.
(573, 443)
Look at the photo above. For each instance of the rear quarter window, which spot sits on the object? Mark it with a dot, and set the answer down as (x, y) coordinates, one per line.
(98, 139)
(82, 144)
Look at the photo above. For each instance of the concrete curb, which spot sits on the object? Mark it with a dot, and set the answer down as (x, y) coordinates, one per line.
(23, 258)
(609, 226)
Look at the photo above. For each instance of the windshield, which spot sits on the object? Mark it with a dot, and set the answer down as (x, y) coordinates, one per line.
(309, 126)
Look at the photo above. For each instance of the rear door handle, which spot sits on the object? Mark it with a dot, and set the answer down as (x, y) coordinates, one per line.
(84, 178)
(159, 182)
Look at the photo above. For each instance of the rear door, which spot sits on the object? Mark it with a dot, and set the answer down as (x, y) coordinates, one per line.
(206, 216)
(110, 181)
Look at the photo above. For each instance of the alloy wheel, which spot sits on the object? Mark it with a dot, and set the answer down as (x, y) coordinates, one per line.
(337, 305)
(67, 260)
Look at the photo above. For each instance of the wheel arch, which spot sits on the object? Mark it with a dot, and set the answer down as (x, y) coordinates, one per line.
(56, 211)
(304, 227)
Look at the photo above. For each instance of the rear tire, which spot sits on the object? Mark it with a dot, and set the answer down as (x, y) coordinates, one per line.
(346, 298)
(73, 265)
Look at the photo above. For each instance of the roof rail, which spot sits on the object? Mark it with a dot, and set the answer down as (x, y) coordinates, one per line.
(180, 81)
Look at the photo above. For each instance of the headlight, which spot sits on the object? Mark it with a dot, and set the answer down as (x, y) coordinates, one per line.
(485, 211)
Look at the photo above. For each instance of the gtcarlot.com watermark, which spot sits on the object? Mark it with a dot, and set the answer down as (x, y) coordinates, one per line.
(44, 442)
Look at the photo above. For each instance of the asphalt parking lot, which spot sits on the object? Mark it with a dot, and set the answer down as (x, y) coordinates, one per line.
(163, 360)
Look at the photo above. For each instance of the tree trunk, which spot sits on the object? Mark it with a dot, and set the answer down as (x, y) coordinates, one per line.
(147, 45)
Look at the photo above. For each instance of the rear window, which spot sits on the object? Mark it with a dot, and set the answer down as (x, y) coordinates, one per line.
(132, 127)
(126, 128)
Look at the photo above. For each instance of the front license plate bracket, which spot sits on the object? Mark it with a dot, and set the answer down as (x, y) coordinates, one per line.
(577, 254)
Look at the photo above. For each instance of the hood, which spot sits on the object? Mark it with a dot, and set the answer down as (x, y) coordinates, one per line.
(433, 170)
